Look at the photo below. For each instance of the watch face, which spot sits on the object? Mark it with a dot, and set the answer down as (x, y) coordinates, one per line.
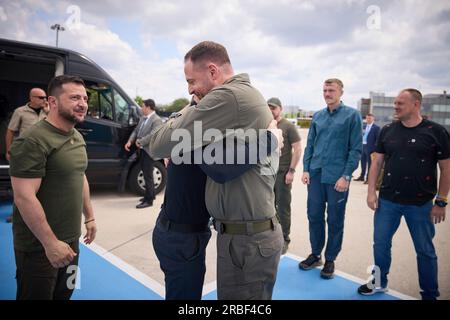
(440, 203)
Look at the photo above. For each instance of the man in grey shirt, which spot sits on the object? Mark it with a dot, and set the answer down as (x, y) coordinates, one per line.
(249, 240)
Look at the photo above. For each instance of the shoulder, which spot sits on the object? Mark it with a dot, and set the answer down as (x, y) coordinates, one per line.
(37, 130)
(223, 93)
(319, 113)
(351, 111)
(390, 126)
(289, 125)
(77, 134)
(19, 110)
(435, 127)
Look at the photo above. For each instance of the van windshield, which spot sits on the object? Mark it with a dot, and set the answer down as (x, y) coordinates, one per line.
(106, 103)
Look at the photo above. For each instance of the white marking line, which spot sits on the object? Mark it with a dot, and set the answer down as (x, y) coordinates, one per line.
(128, 269)
(357, 280)
(209, 287)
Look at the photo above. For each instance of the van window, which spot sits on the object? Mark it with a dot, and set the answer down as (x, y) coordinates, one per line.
(121, 107)
(100, 101)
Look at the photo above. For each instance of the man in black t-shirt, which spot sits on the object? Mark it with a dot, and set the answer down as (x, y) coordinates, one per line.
(411, 148)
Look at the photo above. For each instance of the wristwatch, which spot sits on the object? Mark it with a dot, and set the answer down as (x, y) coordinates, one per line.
(291, 170)
(440, 203)
(347, 178)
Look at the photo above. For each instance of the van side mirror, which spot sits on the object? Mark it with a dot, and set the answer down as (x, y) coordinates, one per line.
(135, 115)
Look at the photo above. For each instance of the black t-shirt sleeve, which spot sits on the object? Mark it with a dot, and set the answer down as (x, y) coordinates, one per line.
(379, 148)
(443, 144)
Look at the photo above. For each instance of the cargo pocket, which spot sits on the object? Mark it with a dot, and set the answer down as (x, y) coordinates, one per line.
(248, 291)
(237, 254)
(269, 247)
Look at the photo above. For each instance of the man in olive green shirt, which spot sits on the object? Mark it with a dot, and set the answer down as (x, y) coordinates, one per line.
(48, 164)
(249, 239)
(289, 158)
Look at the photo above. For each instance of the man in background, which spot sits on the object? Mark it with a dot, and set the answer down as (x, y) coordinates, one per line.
(141, 137)
(370, 136)
(24, 117)
(332, 153)
(289, 158)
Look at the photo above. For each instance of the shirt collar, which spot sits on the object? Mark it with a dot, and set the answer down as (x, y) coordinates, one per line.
(335, 110)
(29, 108)
(148, 116)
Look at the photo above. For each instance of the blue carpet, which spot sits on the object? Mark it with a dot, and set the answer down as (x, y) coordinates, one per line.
(295, 284)
(99, 279)
(7, 263)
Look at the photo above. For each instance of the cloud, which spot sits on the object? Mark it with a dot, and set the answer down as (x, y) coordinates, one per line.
(288, 47)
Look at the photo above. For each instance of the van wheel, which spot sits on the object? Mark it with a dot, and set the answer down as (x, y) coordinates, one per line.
(136, 182)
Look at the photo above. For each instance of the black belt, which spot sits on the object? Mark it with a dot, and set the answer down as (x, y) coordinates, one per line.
(245, 228)
(182, 227)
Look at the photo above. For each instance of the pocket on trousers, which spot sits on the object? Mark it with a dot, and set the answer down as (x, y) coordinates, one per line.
(269, 247)
(248, 291)
(191, 249)
(237, 254)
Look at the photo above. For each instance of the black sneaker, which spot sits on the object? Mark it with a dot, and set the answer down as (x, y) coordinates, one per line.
(144, 204)
(328, 270)
(310, 263)
(360, 178)
(367, 290)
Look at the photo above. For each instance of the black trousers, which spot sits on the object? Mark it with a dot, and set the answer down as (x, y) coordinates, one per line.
(146, 163)
(182, 259)
(38, 280)
(366, 161)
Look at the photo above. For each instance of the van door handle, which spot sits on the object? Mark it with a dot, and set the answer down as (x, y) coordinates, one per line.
(84, 131)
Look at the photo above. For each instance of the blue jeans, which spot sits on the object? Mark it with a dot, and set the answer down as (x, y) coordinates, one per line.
(386, 221)
(319, 196)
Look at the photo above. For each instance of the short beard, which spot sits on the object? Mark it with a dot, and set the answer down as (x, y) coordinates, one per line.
(69, 117)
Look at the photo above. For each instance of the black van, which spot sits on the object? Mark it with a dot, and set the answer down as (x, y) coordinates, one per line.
(111, 117)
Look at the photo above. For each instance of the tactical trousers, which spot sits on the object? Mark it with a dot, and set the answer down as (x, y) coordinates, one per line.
(247, 265)
(283, 204)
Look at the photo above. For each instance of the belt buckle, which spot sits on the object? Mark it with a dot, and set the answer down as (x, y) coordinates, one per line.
(249, 228)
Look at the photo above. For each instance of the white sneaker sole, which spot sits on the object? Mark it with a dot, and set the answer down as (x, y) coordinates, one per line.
(374, 291)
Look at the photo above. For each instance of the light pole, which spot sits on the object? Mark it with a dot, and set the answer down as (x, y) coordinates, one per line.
(58, 28)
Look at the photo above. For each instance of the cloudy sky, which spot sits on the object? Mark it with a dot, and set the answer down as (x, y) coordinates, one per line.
(288, 46)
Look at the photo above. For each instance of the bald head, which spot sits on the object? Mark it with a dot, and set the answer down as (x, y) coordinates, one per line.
(37, 98)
